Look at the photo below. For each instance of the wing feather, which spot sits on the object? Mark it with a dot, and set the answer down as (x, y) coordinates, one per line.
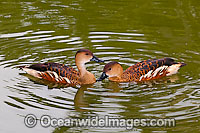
(56, 72)
(149, 69)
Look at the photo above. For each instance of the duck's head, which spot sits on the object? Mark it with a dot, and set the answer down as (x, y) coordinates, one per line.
(112, 69)
(84, 55)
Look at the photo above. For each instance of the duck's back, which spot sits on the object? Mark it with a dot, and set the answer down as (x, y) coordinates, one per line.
(55, 72)
(152, 69)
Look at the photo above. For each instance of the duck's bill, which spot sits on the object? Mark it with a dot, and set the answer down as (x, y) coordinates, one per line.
(96, 59)
(103, 76)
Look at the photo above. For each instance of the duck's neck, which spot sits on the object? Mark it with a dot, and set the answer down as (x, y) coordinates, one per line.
(119, 79)
(115, 79)
(86, 77)
(81, 67)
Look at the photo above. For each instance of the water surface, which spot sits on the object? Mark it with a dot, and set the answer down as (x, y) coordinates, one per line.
(124, 31)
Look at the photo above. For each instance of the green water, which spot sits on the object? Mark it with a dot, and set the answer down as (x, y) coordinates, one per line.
(126, 31)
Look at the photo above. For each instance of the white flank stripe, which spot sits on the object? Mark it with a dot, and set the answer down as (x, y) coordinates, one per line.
(159, 69)
(141, 77)
(66, 79)
(148, 74)
(50, 74)
(60, 78)
(56, 75)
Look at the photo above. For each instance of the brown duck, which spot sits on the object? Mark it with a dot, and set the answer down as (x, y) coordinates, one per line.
(60, 73)
(141, 71)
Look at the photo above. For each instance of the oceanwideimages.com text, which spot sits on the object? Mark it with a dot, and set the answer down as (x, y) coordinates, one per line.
(107, 121)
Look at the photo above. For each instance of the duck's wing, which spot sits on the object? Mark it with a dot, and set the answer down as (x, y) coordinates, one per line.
(153, 69)
(55, 72)
(60, 69)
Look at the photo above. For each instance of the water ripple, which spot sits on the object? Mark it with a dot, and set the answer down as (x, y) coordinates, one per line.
(14, 34)
(114, 33)
(48, 38)
(52, 31)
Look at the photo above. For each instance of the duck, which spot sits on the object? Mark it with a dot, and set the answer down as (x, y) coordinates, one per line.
(63, 74)
(142, 71)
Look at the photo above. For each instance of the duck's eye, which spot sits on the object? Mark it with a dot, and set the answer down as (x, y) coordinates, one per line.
(109, 69)
(86, 54)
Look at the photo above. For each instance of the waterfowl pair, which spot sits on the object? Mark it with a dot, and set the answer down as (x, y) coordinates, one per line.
(60, 73)
(141, 71)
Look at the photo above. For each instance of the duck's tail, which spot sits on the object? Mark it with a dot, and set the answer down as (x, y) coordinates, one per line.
(47, 75)
(21, 67)
(30, 71)
(182, 64)
(173, 69)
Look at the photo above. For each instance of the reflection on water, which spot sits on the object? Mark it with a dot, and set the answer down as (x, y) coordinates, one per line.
(123, 31)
